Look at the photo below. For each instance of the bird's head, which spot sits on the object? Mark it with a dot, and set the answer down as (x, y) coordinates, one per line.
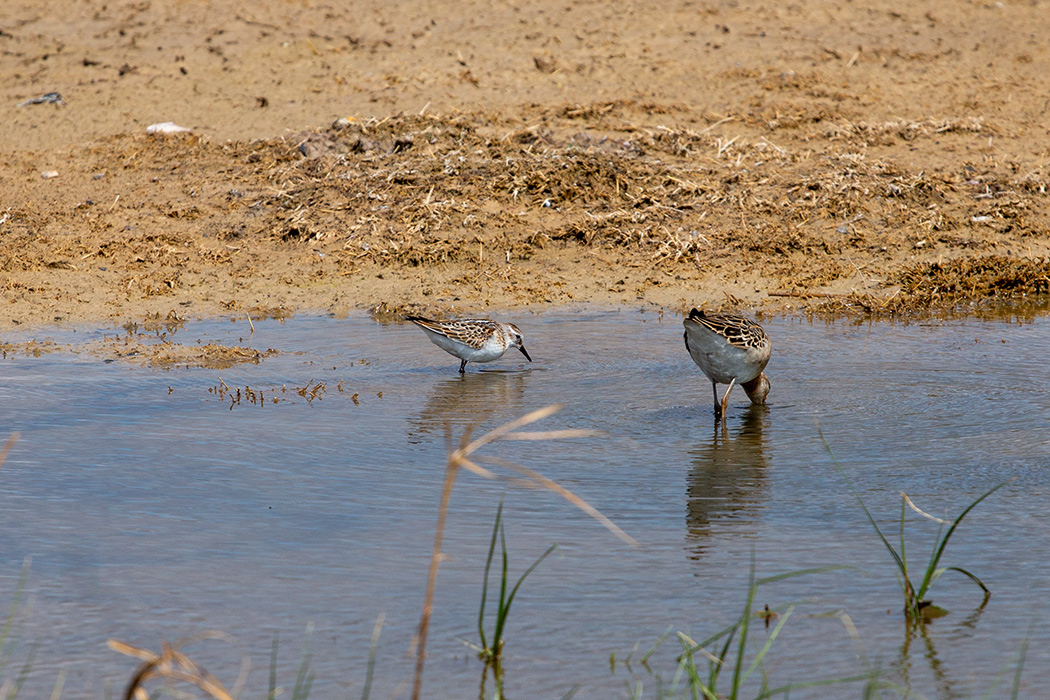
(757, 389)
(517, 340)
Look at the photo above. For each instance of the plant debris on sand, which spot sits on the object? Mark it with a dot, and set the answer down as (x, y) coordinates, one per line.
(441, 210)
(732, 155)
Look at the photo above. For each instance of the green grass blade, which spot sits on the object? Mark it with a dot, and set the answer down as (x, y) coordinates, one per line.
(728, 630)
(1016, 688)
(785, 689)
(12, 610)
(514, 591)
(656, 646)
(939, 550)
(485, 580)
(60, 684)
(745, 625)
(932, 563)
(769, 644)
(305, 677)
(686, 660)
(856, 494)
(23, 674)
(630, 655)
(715, 667)
(572, 693)
(505, 607)
(372, 649)
(273, 669)
(804, 572)
(910, 601)
(501, 611)
(972, 577)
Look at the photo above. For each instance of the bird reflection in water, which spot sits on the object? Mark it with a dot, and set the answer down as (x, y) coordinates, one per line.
(482, 399)
(727, 479)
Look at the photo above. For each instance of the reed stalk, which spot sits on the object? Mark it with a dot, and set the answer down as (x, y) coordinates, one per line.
(464, 457)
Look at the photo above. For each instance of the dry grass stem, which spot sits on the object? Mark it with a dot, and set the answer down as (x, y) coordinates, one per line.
(174, 665)
(7, 447)
(474, 467)
(923, 513)
(501, 431)
(552, 434)
(537, 479)
(451, 470)
(459, 458)
(695, 647)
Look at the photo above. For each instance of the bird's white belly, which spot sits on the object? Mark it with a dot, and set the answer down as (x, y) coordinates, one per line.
(486, 353)
(725, 363)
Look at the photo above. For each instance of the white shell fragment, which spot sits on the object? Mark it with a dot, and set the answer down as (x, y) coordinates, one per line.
(165, 128)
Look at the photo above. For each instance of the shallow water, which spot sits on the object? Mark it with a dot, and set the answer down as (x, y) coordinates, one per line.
(152, 510)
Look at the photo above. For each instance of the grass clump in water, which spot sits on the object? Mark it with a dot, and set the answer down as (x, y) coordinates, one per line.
(492, 653)
(726, 654)
(465, 457)
(916, 606)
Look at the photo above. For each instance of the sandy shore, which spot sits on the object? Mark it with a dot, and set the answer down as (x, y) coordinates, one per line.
(465, 156)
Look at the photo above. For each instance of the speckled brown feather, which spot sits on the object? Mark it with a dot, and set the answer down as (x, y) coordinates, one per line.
(737, 330)
(469, 331)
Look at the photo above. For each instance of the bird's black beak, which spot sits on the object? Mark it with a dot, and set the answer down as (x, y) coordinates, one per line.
(525, 352)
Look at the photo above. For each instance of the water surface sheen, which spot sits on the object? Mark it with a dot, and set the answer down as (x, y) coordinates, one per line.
(153, 510)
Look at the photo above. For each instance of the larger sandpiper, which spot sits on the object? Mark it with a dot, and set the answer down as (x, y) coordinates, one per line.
(730, 350)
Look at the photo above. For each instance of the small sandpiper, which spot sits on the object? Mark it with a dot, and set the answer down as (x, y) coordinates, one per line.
(730, 350)
(473, 339)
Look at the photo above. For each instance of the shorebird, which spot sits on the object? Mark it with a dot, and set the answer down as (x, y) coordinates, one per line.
(472, 339)
(730, 350)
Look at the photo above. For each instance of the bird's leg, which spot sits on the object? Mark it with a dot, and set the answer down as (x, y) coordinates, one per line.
(725, 397)
(718, 408)
(463, 367)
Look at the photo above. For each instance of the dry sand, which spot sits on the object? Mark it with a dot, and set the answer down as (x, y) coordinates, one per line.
(459, 156)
